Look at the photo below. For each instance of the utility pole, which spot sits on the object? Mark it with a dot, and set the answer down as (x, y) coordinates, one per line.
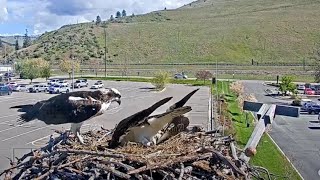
(105, 51)
(5, 53)
(72, 59)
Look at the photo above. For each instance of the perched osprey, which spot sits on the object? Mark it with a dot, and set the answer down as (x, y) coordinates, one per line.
(75, 108)
(151, 130)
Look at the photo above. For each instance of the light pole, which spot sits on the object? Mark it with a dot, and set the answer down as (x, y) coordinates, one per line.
(105, 51)
(72, 73)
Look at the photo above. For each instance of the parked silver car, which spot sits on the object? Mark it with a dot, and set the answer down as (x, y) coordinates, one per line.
(56, 89)
(20, 88)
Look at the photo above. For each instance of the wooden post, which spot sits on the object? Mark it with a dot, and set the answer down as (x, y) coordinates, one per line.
(265, 114)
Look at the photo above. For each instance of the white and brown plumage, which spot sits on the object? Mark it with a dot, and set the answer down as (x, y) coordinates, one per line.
(75, 108)
(150, 130)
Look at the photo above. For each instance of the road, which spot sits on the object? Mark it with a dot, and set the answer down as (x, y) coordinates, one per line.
(135, 97)
(297, 137)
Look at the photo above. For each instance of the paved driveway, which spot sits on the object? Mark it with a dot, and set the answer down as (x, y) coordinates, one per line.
(299, 138)
(135, 97)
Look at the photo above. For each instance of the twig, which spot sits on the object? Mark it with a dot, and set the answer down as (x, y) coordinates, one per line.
(181, 159)
(229, 163)
(73, 151)
(113, 171)
(233, 151)
(181, 171)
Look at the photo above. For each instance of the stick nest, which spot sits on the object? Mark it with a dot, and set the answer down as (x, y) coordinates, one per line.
(188, 155)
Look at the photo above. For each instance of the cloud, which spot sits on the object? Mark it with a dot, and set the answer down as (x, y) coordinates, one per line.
(47, 15)
(3, 11)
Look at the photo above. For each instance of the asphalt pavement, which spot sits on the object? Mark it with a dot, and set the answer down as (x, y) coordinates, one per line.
(297, 137)
(16, 140)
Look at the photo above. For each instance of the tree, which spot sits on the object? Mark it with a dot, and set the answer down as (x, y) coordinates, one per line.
(46, 71)
(32, 68)
(124, 13)
(66, 66)
(160, 80)
(26, 40)
(16, 45)
(118, 15)
(203, 75)
(287, 85)
(98, 20)
(111, 18)
(1, 45)
(94, 65)
(132, 15)
(317, 66)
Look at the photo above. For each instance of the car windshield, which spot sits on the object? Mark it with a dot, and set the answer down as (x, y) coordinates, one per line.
(36, 86)
(96, 83)
(77, 81)
(56, 86)
(12, 83)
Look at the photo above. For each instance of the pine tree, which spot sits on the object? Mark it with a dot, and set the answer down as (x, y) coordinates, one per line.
(98, 20)
(124, 13)
(27, 40)
(16, 45)
(118, 15)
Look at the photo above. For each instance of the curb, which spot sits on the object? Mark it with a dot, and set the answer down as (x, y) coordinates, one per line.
(285, 156)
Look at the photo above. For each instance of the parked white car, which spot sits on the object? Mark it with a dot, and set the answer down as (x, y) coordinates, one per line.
(53, 82)
(56, 89)
(66, 83)
(301, 87)
(20, 88)
(80, 83)
(39, 88)
(97, 85)
(13, 84)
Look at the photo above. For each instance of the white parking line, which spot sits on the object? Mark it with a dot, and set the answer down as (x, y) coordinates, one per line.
(24, 133)
(47, 137)
(22, 125)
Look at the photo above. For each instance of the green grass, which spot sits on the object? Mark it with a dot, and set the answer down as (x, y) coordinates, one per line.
(226, 31)
(267, 155)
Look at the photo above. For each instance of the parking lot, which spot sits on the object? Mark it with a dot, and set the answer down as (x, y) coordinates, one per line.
(16, 140)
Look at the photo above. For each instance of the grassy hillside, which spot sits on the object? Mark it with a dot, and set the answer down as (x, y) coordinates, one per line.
(229, 31)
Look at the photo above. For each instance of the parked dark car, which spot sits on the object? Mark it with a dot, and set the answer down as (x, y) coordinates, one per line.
(5, 90)
(313, 108)
(9, 74)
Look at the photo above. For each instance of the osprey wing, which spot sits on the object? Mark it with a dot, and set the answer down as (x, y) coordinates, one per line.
(183, 101)
(65, 109)
(132, 121)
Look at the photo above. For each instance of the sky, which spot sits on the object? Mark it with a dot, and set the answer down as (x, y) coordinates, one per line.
(39, 16)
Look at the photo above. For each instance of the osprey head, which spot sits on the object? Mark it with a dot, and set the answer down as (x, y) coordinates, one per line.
(110, 95)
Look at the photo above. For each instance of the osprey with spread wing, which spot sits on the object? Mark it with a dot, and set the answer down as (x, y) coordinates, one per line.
(75, 108)
(150, 130)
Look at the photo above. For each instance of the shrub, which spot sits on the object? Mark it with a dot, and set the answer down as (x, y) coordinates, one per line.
(160, 80)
